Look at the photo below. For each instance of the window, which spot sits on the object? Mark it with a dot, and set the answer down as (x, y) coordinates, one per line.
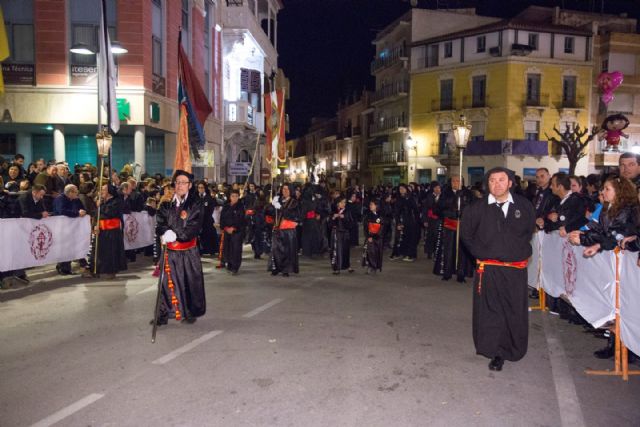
(605, 65)
(85, 28)
(532, 130)
(156, 38)
(479, 90)
(448, 49)
(568, 44)
(208, 22)
(19, 24)
(432, 55)
(446, 94)
(533, 89)
(533, 41)
(250, 87)
(444, 130)
(569, 91)
(8, 143)
(481, 44)
(186, 35)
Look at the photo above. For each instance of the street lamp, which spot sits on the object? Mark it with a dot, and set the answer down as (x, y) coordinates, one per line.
(412, 145)
(461, 133)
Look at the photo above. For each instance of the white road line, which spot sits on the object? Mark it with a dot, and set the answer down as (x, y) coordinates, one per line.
(151, 288)
(69, 410)
(262, 308)
(568, 402)
(193, 344)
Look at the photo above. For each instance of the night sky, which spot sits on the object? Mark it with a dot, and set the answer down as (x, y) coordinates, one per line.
(325, 45)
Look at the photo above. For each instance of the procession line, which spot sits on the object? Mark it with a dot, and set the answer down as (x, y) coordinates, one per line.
(568, 402)
(69, 410)
(262, 308)
(193, 344)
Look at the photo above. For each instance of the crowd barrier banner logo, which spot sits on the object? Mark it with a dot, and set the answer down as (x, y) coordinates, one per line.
(570, 268)
(131, 228)
(40, 241)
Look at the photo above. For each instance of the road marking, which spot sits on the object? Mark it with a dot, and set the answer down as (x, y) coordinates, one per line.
(151, 288)
(193, 344)
(568, 402)
(262, 308)
(313, 281)
(69, 410)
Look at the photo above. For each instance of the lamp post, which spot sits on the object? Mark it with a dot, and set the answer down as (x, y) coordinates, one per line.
(103, 140)
(461, 133)
(412, 145)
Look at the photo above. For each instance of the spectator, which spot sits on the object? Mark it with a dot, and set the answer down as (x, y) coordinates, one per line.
(32, 204)
(86, 197)
(11, 180)
(68, 204)
(18, 160)
(629, 164)
(48, 179)
(568, 213)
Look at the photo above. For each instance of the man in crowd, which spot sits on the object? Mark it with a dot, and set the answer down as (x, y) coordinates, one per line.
(48, 178)
(629, 164)
(568, 213)
(497, 231)
(32, 204)
(68, 204)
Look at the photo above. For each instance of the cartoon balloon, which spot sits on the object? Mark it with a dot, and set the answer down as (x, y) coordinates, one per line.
(608, 83)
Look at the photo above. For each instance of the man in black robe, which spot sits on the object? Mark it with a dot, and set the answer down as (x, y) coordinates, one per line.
(311, 233)
(497, 231)
(232, 222)
(430, 219)
(451, 257)
(373, 227)
(178, 224)
(284, 248)
(341, 224)
(407, 229)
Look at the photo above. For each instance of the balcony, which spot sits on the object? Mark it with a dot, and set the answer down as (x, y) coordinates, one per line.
(386, 158)
(347, 167)
(448, 104)
(397, 54)
(390, 92)
(541, 101)
(576, 103)
(238, 16)
(240, 113)
(388, 125)
(470, 102)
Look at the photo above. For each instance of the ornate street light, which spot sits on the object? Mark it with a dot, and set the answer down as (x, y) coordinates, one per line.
(103, 141)
(461, 133)
(412, 145)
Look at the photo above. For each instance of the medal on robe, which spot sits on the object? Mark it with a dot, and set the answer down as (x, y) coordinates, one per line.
(517, 213)
(183, 215)
(562, 217)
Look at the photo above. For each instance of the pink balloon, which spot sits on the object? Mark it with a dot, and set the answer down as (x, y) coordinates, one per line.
(608, 83)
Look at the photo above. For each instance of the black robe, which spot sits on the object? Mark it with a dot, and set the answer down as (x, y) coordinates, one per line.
(432, 221)
(233, 216)
(311, 234)
(355, 209)
(500, 304)
(341, 240)
(185, 265)
(111, 255)
(445, 255)
(208, 236)
(284, 250)
(406, 240)
(373, 226)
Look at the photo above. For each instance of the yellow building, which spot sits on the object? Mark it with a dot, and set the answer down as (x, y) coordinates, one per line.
(514, 80)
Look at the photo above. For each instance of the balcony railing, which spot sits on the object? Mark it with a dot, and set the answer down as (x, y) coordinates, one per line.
(386, 158)
(447, 104)
(575, 103)
(469, 102)
(389, 124)
(395, 89)
(240, 112)
(395, 55)
(542, 101)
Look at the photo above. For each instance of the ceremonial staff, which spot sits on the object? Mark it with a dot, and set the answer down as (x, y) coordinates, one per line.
(103, 140)
(158, 296)
(461, 133)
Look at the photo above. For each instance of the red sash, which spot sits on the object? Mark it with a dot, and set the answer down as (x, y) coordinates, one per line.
(374, 228)
(268, 219)
(431, 215)
(109, 224)
(181, 246)
(286, 224)
(311, 215)
(451, 224)
(482, 262)
(249, 212)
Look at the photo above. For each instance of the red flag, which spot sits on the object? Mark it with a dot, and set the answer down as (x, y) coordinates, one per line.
(274, 114)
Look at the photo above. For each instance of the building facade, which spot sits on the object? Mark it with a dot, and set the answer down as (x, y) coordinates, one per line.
(50, 104)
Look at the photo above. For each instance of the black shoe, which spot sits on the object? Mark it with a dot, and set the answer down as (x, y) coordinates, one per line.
(190, 320)
(534, 294)
(461, 280)
(445, 279)
(274, 273)
(496, 364)
(607, 352)
(161, 321)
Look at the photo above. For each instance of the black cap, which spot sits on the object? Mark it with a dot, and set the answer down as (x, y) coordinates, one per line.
(179, 172)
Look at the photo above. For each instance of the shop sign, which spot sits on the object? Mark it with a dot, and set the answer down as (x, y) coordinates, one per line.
(19, 74)
(239, 168)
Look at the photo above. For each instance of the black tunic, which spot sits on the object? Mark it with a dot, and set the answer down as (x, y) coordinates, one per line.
(500, 306)
(208, 236)
(432, 221)
(185, 265)
(373, 226)
(233, 217)
(445, 255)
(405, 215)
(311, 234)
(341, 239)
(284, 250)
(111, 255)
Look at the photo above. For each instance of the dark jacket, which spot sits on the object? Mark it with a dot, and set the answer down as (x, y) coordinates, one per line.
(609, 231)
(571, 214)
(170, 218)
(9, 206)
(62, 205)
(29, 208)
(233, 216)
(544, 201)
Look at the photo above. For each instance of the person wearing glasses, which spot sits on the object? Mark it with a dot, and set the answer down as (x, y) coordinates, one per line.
(178, 225)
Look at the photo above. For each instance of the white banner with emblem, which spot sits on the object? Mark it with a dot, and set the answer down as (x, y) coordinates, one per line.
(139, 230)
(30, 242)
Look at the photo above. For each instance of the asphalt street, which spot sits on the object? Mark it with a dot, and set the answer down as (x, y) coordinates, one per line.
(314, 349)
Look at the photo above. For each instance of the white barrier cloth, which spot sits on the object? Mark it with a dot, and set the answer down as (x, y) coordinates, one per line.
(30, 242)
(630, 301)
(139, 230)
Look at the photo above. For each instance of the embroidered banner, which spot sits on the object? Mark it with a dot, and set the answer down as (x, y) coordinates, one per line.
(39, 242)
(139, 230)
(630, 301)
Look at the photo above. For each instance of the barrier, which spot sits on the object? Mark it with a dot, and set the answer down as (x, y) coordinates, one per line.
(139, 230)
(31, 242)
(603, 289)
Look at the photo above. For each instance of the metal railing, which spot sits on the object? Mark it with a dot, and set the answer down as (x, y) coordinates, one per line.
(541, 100)
(394, 56)
(475, 102)
(443, 104)
(389, 123)
(400, 87)
(384, 158)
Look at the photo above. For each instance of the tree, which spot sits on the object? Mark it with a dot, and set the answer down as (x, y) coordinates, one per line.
(572, 144)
